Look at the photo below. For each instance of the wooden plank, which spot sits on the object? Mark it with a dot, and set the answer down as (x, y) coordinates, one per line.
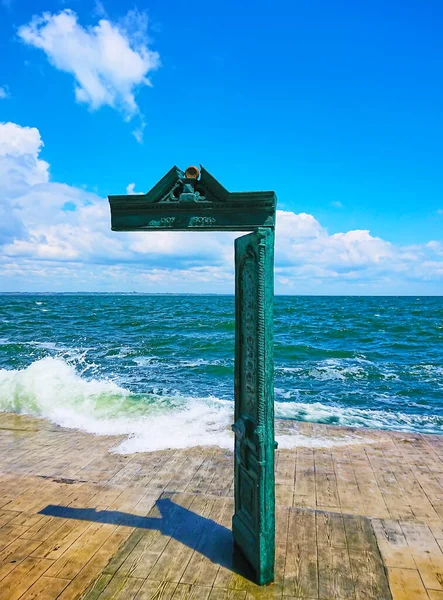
(330, 529)
(221, 594)
(419, 538)
(413, 491)
(185, 591)
(184, 476)
(326, 482)
(201, 480)
(283, 495)
(285, 468)
(359, 534)
(301, 572)
(430, 567)
(118, 559)
(228, 576)
(121, 588)
(335, 579)
(145, 505)
(97, 587)
(369, 576)
(86, 576)
(128, 499)
(140, 561)
(304, 490)
(45, 588)
(44, 528)
(57, 543)
(23, 577)
(81, 551)
(177, 553)
(392, 544)
(144, 554)
(223, 477)
(6, 516)
(281, 538)
(156, 590)
(126, 474)
(406, 584)
(214, 547)
(8, 534)
(436, 528)
(14, 554)
(347, 487)
(26, 519)
(372, 499)
(105, 496)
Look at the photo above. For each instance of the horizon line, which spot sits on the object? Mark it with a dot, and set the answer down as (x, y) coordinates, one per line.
(80, 292)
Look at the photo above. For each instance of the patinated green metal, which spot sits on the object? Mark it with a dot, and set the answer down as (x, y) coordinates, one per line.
(180, 203)
(253, 524)
(190, 200)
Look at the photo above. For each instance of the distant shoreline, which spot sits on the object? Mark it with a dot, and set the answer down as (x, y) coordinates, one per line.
(203, 295)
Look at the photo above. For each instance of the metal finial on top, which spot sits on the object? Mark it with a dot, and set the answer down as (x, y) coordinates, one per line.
(192, 172)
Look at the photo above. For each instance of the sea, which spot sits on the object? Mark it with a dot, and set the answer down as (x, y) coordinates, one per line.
(158, 369)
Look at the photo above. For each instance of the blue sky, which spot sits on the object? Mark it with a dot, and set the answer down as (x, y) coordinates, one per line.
(337, 106)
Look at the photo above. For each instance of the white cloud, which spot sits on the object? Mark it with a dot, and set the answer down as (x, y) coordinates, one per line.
(99, 9)
(337, 204)
(108, 61)
(20, 170)
(19, 141)
(54, 236)
(4, 92)
(139, 131)
(130, 189)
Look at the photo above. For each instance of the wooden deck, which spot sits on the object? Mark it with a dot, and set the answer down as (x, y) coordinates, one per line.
(360, 520)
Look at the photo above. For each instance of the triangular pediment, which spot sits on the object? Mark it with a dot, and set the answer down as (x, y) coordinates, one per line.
(172, 186)
(192, 199)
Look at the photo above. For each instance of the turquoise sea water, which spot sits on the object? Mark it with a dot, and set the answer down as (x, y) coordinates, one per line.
(159, 369)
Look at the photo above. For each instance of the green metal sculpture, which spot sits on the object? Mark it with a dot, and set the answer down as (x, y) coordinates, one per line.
(194, 200)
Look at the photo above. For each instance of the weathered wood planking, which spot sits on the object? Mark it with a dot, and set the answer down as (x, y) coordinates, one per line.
(365, 504)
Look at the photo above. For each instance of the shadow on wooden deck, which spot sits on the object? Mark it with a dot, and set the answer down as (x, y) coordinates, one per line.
(204, 535)
(320, 555)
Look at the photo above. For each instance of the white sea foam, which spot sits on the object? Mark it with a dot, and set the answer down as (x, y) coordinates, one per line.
(45, 345)
(333, 368)
(317, 412)
(200, 362)
(51, 388)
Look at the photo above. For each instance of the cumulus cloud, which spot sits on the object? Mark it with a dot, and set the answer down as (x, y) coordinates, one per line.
(108, 61)
(54, 236)
(4, 92)
(21, 169)
(130, 189)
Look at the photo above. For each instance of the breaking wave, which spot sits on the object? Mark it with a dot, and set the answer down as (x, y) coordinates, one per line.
(51, 388)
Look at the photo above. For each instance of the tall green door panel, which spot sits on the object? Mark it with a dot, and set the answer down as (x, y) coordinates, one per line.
(253, 523)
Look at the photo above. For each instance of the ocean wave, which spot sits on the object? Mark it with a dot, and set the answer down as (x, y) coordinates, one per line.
(338, 369)
(317, 412)
(51, 388)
